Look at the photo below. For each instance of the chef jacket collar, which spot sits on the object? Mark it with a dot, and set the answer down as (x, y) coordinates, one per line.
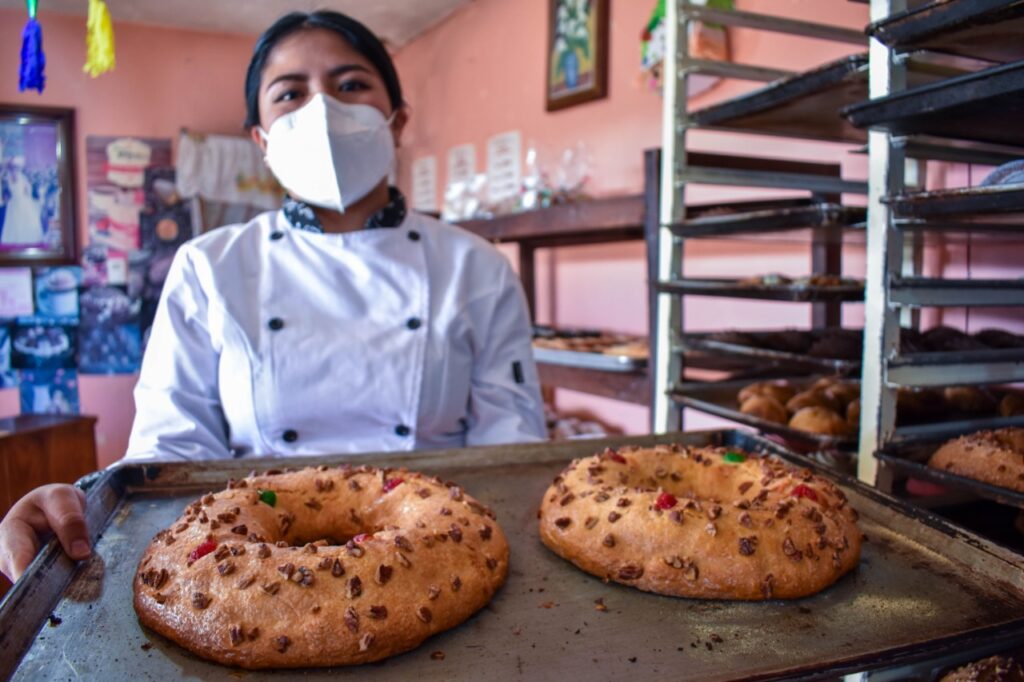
(302, 217)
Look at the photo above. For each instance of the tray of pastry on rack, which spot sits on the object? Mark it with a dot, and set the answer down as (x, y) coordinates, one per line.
(824, 412)
(828, 351)
(988, 463)
(589, 349)
(772, 286)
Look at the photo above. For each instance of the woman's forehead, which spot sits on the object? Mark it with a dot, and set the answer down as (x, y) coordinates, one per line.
(312, 51)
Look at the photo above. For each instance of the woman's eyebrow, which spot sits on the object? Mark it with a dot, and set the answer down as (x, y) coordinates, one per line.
(333, 73)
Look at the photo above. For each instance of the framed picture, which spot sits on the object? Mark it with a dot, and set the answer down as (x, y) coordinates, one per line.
(577, 52)
(37, 188)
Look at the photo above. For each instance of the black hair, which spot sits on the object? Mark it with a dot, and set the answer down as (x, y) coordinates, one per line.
(354, 33)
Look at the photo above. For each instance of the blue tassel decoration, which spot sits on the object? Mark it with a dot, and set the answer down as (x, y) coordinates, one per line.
(33, 61)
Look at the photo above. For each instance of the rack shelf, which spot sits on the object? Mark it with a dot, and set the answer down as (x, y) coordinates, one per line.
(981, 29)
(807, 105)
(924, 292)
(732, 288)
(772, 217)
(976, 107)
(967, 202)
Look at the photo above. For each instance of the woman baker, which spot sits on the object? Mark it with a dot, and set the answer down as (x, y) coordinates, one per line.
(342, 323)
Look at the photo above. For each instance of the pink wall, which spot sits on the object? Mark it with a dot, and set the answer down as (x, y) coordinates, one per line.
(482, 73)
(165, 80)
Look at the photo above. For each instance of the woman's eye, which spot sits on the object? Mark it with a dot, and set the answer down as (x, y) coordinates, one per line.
(286, 96)
(353, 86)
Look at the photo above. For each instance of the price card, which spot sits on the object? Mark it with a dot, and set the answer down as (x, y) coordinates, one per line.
(424, 184)
(504, 165)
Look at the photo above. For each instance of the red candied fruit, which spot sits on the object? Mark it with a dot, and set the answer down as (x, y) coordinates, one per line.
(805, 491)
(615, 457)
(666, 501)
(202, 550)
(362, 537)
(392, 483)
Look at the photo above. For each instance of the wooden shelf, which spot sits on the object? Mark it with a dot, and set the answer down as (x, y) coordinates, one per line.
(584, 222)
(630, 387)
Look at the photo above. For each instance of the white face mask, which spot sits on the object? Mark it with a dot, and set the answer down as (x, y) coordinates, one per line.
(330, 154)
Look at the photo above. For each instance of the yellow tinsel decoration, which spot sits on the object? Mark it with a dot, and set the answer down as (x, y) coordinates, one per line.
(99, 40)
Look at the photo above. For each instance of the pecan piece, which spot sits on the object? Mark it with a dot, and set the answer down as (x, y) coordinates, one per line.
(630, 572)
(424, 614)
(226, 568)
(590, 522)
(609, 540)
(287, 570)
(200, 600)
(455, 532)
(240, 530)
(271, 588)
(351, 619)
(237, 635)
(354, 588)
(433, 593)
(748, 545)
(264, 551)
(614, 516)
(456, 583)
(245, 582)
(378, 612)
(282, 643)
(402, 543)
(383, 574)
(563, 522)
(485, 532)
(337, 568)
(365, 641)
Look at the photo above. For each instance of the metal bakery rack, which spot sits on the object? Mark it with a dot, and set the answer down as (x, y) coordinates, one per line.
(803, 105)
(967, 110)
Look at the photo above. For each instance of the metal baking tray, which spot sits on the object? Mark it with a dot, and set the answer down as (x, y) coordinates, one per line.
(582, 360)
(924, 589)
(982, 29)
(971, 201)
(704, 343)
(718, 398)
(806, 105)
(771, 220)
(779, 292)
(911, 459)
(979, 106)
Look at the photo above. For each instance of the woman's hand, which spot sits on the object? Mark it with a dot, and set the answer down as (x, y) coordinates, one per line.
(58, 508)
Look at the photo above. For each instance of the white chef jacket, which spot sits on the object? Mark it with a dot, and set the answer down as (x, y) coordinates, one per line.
(274, 340)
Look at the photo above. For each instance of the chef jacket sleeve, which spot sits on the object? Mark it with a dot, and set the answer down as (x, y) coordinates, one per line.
(504, 402)
(178, 414)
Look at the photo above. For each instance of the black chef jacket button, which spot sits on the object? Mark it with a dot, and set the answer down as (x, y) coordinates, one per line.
(414, 236)
(414, 323)
(276, 234)
(402, 430)
(290, 436)
(276, 324)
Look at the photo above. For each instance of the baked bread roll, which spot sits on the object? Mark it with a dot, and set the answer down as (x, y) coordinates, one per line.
(820, 420)
(812, 398)
(995, 457)
(969, 399)
(243, 577)
(1012, 405)
(708, 523)
(773, 389)
(765, 407)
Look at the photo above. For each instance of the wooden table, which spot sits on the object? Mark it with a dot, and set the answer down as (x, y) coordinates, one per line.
(36, 449)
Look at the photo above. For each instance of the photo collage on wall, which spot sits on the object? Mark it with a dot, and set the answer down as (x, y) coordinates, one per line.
(59, 322)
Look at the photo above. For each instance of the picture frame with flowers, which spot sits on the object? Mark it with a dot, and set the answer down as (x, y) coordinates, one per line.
(577, 62)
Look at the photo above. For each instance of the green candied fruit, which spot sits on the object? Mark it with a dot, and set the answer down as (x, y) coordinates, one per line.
(268, 497)
(732, 457)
